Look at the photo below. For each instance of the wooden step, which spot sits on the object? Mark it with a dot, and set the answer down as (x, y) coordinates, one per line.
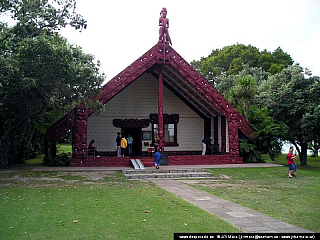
(147, 162)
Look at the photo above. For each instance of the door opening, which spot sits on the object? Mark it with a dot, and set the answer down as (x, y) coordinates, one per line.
(135, 133)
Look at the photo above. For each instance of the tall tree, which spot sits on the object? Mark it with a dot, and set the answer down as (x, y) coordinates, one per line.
(42, 76)
(295, 101)
(240, 90)
(231, 59)
(36, 16)
(268, 133)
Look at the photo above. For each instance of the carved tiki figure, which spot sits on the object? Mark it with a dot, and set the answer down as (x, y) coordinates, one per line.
(164, 25)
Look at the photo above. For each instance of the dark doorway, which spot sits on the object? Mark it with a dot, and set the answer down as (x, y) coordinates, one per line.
(136, 135)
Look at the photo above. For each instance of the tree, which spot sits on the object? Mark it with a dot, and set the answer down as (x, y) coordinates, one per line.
(267, 132)
(231, 59)
(240, 90)
(42, 76)
(243, 93)
(37, 16)
(295, 101)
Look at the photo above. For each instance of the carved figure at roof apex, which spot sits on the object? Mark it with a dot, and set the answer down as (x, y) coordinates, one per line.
(164, 25)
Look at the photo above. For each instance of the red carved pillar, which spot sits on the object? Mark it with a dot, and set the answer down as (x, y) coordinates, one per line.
(80, 134)
(160, 110)
(233, 133)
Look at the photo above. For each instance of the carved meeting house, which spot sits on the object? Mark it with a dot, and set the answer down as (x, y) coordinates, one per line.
(159, 93)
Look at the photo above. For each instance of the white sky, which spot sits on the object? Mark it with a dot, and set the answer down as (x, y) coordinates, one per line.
(119, 32)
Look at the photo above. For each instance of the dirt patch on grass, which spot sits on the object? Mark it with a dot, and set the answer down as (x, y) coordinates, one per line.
(214, 182)
(8, 178)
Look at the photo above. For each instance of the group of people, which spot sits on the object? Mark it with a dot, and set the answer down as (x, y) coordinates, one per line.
(123, 143)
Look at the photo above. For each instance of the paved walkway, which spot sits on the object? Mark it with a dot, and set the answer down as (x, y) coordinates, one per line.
(246, 219)
(243, 165)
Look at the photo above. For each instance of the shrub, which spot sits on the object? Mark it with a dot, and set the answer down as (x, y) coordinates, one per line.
(59, 160)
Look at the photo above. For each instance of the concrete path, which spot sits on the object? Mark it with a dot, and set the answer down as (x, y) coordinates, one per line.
(243, 165)
(246, 219)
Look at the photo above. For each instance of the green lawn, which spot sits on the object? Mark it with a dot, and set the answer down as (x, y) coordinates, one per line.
(55, 205)
(34, 207)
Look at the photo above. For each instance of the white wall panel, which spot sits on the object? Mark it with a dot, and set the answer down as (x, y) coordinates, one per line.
(138, 101)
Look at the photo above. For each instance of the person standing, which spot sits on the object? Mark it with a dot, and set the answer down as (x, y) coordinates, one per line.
(123, 145)
(118, 140)
(206, 143)
(291, 163)
(130, 142)
(156, 142)
(157, 157)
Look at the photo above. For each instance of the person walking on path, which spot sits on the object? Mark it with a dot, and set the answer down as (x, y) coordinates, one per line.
(118, 140)
(206, 143)
(130, 142)
(123, 145)
(292, 166)
(157, 157)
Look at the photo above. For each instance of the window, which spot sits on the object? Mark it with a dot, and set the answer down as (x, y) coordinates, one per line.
(169, 128)
(170, 133)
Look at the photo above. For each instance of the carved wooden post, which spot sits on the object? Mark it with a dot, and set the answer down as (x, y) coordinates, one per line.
(160, 110)
(80, 133)
(233, 133)
(163, 57)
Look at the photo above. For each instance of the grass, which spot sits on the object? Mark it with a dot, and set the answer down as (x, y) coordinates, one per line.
(31, 207)
(71, 206)
(270, 191)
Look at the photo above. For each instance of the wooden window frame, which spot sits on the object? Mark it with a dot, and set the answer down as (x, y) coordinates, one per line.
(167, 119)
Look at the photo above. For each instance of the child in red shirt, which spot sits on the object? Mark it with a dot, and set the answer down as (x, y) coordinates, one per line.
(291, 163)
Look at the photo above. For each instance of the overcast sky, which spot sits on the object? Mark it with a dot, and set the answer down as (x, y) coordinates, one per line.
(119, 32)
